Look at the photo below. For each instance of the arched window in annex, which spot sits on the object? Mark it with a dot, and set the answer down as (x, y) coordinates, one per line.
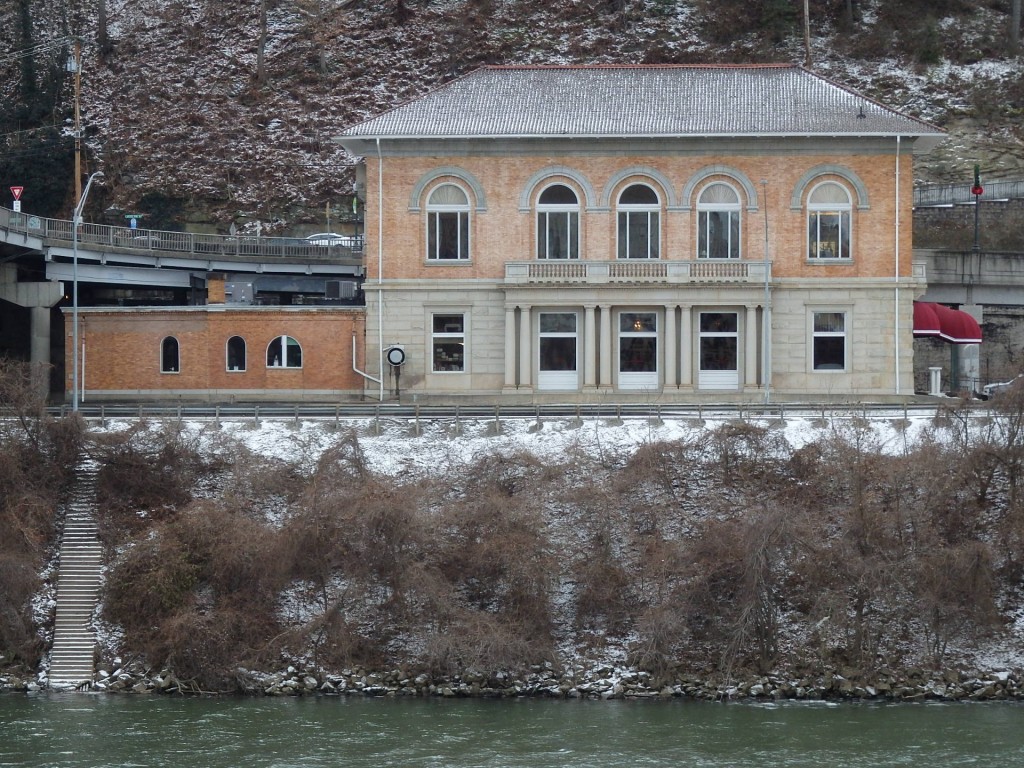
(235, 354)
(169, 357)
(284, 352)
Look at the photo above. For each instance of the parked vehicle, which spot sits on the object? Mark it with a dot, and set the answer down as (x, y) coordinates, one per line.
(330, 239)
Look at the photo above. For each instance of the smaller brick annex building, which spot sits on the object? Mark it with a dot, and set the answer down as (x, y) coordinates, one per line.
(218, 351)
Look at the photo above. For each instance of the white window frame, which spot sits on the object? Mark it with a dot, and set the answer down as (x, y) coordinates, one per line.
(283, 363)
(644, 216)
(829, 334)
(719, 378)
(639, 330)
(734, 222)
(572, 225)
(560, 379)
(435, 213)
(447, 336)
(843, 212)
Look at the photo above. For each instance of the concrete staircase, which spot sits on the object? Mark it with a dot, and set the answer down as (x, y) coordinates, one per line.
(78, 583)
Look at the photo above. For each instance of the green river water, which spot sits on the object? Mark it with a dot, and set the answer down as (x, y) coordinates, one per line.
(103, 731)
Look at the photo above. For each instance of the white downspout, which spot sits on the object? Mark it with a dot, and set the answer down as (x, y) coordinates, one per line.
(380, 267)
(896, 277)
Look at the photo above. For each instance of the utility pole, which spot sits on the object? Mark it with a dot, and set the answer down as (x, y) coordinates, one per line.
(807, 34)
(78, 120)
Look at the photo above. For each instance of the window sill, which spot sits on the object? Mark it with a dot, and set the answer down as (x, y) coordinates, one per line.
(448, 262)
(829, 261)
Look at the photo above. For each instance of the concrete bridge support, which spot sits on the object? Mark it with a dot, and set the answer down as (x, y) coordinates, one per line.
(38, 298)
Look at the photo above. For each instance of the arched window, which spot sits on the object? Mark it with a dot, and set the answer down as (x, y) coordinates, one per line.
(447, 224)
(558, 227)
(169, 362)
(639, 218)
(284, 352)
(828, 222)
(718, 222)
(236, 354)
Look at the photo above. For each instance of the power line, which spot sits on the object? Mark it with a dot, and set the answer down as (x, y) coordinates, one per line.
(35, 50)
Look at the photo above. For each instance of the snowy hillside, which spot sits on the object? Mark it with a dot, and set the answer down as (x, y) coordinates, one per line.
(198, 106)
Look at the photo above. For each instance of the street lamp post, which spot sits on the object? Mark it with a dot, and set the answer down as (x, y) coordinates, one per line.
(76, 220)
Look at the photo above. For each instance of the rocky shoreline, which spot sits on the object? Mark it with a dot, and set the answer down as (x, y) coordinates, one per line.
(599, 683)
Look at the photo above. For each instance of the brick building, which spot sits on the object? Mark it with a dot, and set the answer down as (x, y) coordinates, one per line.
(218, 351)
(643, 231)
(574, 233)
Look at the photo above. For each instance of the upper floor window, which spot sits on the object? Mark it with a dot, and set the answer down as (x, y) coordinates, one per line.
(447, 224)
(284, 352)
(558, 227)
(828, 222)
(169, 362)
(718, 222)
(639, 223)
(236, 354)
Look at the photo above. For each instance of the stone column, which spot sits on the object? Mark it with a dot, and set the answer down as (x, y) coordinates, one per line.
(606, 346)
(671, 346)
(525, 347)
(589, 347)
(510, 347)
(750, 347)
(686, 347)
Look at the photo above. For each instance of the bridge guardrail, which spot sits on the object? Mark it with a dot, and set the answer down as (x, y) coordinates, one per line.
(934, 195)
(194, 244)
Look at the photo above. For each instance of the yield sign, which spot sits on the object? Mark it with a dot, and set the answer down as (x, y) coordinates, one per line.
(16, 191)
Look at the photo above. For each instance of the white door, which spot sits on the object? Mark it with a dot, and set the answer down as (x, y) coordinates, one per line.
(719, 347)
(638, 350)
(557, 345)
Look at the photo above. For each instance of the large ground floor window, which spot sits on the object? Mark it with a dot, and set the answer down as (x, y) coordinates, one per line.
(448, 339)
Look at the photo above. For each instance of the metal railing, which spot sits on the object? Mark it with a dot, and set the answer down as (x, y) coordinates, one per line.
(629, 271)
(934, 195)
(184, 243)
(307, 411)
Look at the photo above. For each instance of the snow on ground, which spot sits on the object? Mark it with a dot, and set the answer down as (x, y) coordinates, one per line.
(403, 447)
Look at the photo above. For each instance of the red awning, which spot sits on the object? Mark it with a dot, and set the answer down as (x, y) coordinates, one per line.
(952, 325)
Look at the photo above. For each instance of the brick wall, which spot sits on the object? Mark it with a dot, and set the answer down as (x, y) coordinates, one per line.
(505, 233)
(123, 350)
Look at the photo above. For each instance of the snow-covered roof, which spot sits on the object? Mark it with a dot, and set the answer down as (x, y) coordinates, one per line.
(640, 101)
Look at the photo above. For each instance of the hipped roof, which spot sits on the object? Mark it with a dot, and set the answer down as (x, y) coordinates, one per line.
(640, 101)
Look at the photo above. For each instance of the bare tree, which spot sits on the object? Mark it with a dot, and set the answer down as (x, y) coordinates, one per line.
(261, 73)
(1015, 26)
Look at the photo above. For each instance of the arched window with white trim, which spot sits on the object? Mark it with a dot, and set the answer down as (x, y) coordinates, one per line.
(828, 222)
(169, 362)
(718, 222)
(284, 352)
(558, 223)
(639, 219)
(448, 224)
